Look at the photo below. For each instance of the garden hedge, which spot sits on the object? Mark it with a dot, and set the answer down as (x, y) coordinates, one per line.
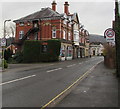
(33, 51)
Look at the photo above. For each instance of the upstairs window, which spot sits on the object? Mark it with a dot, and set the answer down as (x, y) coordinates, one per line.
(21, 34)
(36, 36)
(64, 34)
(21, 23)
(69, 36)
(54, 33)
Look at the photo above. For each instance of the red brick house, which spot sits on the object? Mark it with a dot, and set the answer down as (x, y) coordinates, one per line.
(49, 24)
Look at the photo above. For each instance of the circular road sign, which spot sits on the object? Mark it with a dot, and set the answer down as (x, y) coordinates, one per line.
(109, 33)
(3, 42)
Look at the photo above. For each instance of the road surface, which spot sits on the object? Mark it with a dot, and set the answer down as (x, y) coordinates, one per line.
(35, 87)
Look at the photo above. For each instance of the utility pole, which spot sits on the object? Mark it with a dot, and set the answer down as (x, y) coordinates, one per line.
(117, 37)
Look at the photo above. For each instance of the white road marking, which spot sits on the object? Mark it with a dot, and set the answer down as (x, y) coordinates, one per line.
(54, 70)
(51, 64)
(80, 63)
(71, 65)
(19, 79)
(65, 91)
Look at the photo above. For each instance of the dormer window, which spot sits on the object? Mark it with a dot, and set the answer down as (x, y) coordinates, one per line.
(21, 24)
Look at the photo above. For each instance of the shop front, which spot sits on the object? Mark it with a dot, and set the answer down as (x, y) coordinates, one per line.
(66, 52)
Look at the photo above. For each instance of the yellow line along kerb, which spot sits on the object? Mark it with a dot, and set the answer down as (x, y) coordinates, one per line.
(81, 77)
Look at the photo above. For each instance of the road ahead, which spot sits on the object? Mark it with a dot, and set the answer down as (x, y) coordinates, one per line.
(37, 86)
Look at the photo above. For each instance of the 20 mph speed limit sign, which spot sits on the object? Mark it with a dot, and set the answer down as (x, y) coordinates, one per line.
(109, 34)
(3, 42)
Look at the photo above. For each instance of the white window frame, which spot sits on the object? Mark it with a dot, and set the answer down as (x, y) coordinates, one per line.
(54, 33)
(69, 38)
(64, 34)
(21, 34)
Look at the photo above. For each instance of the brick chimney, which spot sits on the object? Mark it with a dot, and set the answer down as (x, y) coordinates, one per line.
(66, 8)
(54, 5)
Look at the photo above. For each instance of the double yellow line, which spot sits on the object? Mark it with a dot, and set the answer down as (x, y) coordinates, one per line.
(80, 78)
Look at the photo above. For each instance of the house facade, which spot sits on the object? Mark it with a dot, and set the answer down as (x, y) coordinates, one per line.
(96, 49)
(96, 44)
(48, 24)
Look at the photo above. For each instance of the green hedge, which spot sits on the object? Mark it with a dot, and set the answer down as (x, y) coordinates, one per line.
(33, 51)
(7, 54)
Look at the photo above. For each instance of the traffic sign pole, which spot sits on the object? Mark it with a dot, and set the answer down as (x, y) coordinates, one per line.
(3, 50)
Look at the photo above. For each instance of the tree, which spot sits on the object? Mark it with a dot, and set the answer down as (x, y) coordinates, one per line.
(9, 29)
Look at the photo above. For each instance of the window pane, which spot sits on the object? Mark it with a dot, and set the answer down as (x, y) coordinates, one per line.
(21, 34)
(54, 33)
(64, 34)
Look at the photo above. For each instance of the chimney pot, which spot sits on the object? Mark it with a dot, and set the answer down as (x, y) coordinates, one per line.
(66, 8)
(54, 5)
(66, 3)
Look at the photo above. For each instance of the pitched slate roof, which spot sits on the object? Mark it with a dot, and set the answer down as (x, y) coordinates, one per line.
(43, 13)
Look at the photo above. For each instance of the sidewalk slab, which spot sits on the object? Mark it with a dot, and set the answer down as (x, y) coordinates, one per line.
(99, 89)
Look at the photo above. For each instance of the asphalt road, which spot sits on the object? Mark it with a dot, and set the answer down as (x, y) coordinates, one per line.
(37, 86)
(98, 90)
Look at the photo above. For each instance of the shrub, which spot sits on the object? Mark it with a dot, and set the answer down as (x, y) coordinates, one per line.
(18, 57)
(31, 51)
(7, 54)
(109, 56)
(4, 64)
(109, 51)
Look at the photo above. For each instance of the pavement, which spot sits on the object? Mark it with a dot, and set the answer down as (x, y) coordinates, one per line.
(99, 89)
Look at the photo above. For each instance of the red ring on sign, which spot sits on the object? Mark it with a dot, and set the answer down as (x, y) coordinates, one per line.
(109, 33)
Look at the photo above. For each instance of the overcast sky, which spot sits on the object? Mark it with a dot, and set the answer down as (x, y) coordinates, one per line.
(95, 15)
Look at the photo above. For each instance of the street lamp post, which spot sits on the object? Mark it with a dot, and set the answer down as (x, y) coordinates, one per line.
(3, 47)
